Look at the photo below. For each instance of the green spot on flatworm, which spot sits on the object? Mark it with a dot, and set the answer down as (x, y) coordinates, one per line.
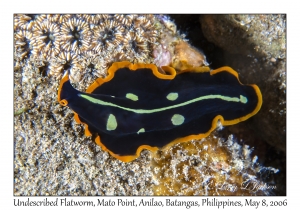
(172, 96)
(132, 96)
(142, 130)
(177, 119)
(243, 99)
(111, 123)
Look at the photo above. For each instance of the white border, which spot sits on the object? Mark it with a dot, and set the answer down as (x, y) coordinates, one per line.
(154, 6)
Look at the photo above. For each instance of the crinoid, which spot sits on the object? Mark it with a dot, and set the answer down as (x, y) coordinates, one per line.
(75, 35)
(46, 35)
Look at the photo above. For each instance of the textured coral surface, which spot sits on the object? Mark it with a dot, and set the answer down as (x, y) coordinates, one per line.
(255, 46)
(211, 166)
(52, 155)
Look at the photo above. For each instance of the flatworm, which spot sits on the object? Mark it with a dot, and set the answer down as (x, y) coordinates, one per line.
(136, 107)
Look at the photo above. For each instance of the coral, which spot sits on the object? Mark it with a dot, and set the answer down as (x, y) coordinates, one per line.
(107, 35)
(210, 166)
(88, 69)
(91, 19)
(144, 27)
(75, 35)
(52, 155)
(102, 38)
(24, 44)
(126, 20)
(65, 61)
(25, 21)
(46, 35)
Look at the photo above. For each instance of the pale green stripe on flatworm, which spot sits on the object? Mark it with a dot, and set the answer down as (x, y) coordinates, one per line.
(172, 96)
(132, 96)
(111, 123)
(242, 99)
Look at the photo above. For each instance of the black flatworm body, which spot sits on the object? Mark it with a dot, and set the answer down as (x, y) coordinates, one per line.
(136, 107)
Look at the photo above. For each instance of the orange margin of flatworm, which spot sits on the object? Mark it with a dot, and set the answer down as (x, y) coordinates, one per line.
(171, 75)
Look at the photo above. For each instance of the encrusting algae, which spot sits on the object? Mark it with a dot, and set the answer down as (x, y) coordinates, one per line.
(211, 166)
(52, 155)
